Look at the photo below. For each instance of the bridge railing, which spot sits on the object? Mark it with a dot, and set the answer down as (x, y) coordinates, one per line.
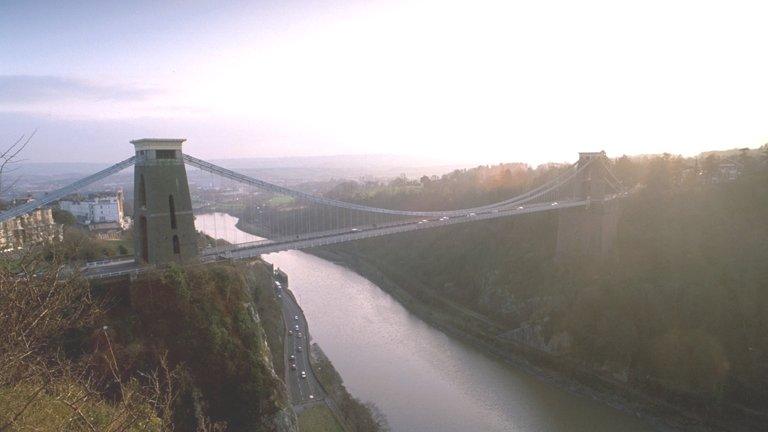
(529, 196)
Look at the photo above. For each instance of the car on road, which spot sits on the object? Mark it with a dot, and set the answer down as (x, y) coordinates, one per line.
(292, 358)
(295, 317)
(293, 367)
(311, 397)
(471, 215)
(520, 208)
(554, 203)
(299, 348)
(299, 335)
(296, 327)
(290, 332)
(303, 374)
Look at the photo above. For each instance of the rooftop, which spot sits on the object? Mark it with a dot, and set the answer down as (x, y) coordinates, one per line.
(159, 140)
(158, 143)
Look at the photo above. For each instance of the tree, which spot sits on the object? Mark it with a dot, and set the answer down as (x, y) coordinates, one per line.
(659, 176)
(8, 158)
(41, 388)
(626, 170)
(764, 148)
(64, 217)
(710, 167)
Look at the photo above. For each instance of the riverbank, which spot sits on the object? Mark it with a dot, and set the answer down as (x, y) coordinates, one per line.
(557, 371)
(410, 361)
(349, 413)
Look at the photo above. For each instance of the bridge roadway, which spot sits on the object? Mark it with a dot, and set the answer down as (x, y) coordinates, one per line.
(253, 249)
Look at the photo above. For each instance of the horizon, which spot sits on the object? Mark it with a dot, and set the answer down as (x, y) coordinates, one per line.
(424, 161)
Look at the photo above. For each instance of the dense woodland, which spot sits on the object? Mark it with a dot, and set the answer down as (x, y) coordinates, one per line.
(680, 311)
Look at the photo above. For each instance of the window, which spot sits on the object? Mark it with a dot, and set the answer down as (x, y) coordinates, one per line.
(142, 193)
(165, 154)
(143, 237)
(176, 246)
(172, 208)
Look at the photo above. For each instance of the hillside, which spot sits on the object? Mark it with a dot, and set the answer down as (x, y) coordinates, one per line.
(183, 349)
(680, 313)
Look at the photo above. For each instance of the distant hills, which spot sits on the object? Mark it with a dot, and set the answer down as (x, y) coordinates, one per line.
(292, 169)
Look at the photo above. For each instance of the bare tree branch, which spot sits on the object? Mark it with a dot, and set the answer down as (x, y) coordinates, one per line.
(9, 157)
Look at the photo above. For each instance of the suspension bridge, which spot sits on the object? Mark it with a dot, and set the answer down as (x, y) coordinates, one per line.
(284, 218)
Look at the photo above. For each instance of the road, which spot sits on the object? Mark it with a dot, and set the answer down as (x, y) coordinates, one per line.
(302, 390)
(107, 268)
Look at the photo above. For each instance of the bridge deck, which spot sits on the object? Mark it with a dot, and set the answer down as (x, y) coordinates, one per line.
(254, 249)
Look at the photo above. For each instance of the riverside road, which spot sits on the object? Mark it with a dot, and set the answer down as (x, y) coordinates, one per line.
(303, 390)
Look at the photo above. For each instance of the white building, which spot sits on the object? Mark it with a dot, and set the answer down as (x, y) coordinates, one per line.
(97, 210)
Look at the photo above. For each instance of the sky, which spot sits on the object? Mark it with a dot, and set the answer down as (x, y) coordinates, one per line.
(470, 82)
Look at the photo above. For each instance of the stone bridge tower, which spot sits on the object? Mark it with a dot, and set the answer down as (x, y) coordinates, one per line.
(589, 231)
(164, 227)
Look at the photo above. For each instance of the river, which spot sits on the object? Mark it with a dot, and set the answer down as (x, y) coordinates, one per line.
(420, 378)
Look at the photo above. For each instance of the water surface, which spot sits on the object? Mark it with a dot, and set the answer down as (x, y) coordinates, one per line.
(421, 379)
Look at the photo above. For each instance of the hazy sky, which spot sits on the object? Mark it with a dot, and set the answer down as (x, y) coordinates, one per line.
(473, 80)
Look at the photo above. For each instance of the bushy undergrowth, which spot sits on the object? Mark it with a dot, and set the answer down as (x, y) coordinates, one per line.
(174, 350)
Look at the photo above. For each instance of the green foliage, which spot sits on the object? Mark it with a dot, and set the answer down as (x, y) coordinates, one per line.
(202, 316)
(63, 217)
(318, 419)
(79, 246)
(48, 411)
(458, 189)
(57, 367)
(683, 308)
(691, 360)
(259, 279)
